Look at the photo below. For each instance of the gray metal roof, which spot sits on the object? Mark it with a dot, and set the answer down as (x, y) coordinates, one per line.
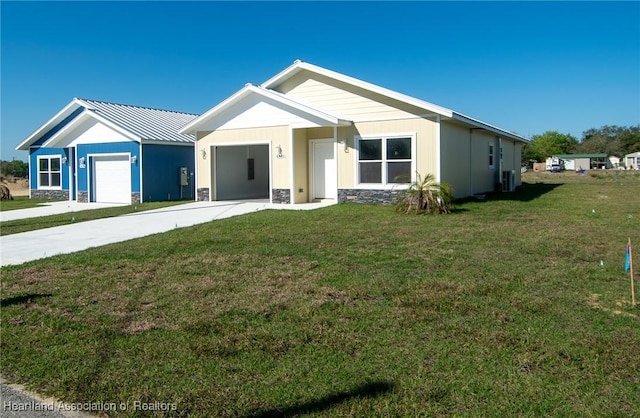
(573, 156)
(149, 124)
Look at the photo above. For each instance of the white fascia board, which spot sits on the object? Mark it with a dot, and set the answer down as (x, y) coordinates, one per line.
(479, 124)
(161, 142)
(59, 117)
(84, 116)
(192, 127)
(300, 65)
(283, 75)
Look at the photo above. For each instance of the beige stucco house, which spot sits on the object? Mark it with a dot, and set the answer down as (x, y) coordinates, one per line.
(311, 134)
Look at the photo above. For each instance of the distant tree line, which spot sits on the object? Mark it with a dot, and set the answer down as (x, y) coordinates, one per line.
(15, 168)
(610, 140)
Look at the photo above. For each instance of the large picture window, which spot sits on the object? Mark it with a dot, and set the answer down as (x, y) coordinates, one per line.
(385, 160)
(49, 172)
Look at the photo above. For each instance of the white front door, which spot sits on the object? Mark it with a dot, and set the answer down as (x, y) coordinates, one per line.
(324, 170)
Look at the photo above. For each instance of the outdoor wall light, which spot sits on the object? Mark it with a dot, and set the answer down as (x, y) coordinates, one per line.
(64, 160)
(279, 151)
(203, 152)
(81, 161)
(134, 159)
(345, 145)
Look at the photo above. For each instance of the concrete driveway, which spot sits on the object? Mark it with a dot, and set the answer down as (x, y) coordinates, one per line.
(27, 246)
(52, 208)
(32, 245)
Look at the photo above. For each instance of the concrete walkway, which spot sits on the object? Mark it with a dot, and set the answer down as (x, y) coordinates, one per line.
(18, 402)
(27, 246)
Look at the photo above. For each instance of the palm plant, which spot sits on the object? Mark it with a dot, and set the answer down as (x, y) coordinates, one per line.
(426, 195)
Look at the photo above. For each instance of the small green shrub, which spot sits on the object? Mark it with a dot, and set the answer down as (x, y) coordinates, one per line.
(426, 195)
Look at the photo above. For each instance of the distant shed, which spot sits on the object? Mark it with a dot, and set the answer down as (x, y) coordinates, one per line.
(632, 161)
(584, 161)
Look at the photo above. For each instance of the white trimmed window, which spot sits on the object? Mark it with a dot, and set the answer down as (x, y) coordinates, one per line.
(49, 172)
(386, 160)
(491, 154)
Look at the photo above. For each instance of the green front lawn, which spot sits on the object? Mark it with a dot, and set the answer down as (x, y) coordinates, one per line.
(21, 202)
(31, 224)
(517, 306)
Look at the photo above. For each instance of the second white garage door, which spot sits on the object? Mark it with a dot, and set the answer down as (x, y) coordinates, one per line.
(112, 179)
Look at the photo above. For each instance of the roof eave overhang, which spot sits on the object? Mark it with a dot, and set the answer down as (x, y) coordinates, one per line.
(494, 129)
(48, 125)
(151, 141)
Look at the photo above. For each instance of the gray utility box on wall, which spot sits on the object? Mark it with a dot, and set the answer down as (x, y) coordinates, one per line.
(184, 176)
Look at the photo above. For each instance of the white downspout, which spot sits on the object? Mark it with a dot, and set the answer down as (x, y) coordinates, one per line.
(470, 161)
(438, 139)
(75, 169)
(335, 156)
(69, 173)
(195, 168)
(292, 184)
(141, 179)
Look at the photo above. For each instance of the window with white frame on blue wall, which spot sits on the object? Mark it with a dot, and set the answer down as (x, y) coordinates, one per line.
(385, 160)
(49, 172)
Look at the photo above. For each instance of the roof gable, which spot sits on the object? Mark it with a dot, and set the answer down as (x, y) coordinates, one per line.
(298, 66)
(350, 101)
(137, 123)
(253, 106)
(290, 78)
(87, 128)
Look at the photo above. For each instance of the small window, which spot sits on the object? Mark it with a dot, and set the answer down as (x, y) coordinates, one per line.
(491, 155)
(49, 172)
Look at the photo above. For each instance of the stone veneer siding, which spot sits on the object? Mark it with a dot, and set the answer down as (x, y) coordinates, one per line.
(50, 194)
(281, 195)
(83, 197)
(203, 194)
(369, 196)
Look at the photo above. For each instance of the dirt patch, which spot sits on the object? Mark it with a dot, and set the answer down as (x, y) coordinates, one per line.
(594, 302)
(17, 186)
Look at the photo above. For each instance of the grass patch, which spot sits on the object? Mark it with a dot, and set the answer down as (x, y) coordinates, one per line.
(21, 202)
(31, 224)
(500, 309)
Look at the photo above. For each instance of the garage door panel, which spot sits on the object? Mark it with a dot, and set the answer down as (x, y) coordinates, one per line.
(112, 179)
(234, 179)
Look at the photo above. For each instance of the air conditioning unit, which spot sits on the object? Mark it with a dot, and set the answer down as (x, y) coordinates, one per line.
(508, 181)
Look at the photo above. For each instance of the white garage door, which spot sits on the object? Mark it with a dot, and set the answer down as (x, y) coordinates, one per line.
(112, 179)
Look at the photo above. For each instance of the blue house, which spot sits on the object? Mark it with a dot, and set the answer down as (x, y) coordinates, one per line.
(93, 151)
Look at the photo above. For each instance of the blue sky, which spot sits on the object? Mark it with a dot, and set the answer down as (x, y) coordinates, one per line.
(527, 67)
